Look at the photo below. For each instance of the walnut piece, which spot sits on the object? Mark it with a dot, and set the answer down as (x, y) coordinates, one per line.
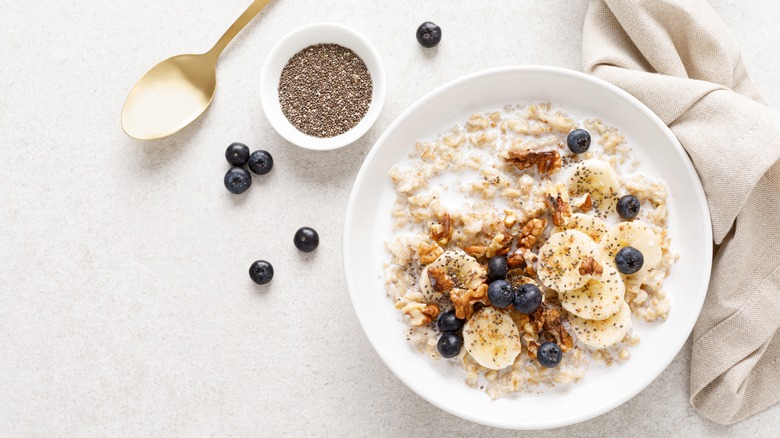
(476, 251)
(583, 203)
(440, 281)
(531, 232)
(545, 324)
(530, 262)
(430, 312)
(428, 253)
(590, 266)
(516, 259)
(533, 346)
(546, 162)
(464, 300)
(560, 209)
(499, 245)
(441, 231)
(523, 258)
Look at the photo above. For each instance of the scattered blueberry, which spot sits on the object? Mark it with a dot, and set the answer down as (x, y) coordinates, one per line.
(449, 345)
(306, 239)
(549, 354)
(237, 180)
(237, 154)
(449, 323)
(428, 34)
(629, 260)
(497, 268)
(261, 272)
(500, 294)
(578, 141)
(628, 207)
(261, 162)
(528, 298)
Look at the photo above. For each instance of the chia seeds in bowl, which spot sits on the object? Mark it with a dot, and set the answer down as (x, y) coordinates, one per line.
(325, 90)
(322, 86)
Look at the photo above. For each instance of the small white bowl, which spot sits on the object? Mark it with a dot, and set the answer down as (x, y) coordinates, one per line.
(294, 42)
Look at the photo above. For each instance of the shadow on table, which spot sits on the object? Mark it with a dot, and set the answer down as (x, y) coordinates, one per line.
(156, 155)
(335, 168)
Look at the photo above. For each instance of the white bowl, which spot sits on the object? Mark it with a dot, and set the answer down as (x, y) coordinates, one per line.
(368, 224)
(294, 42)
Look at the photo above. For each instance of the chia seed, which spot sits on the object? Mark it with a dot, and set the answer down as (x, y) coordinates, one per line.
(325, 90)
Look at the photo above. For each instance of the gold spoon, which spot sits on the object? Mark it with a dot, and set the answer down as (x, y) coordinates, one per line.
(176, 91)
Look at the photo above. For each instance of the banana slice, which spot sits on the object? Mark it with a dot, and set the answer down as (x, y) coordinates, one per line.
(491, 337)
(635, 234)
(601, 297)
(560, 259)
(463, 269)
(593, 226)
(597, 178)
(602, 334)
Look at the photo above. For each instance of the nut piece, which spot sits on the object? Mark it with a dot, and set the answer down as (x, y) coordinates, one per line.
(583, 203)
(523, 258)
(531, 232)
(530, 262)
(440, 281)
(590, 266)
(464, 300)
(430, 312)
(546, 162)
(516, 259)
(560, 209)
(553, 325)
(441, 231)
(533, 346)
(546, 324)
(499, 245)
(428, 253)
(476, 251)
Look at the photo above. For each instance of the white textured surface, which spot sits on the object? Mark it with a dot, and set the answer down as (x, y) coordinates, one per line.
(126, 307)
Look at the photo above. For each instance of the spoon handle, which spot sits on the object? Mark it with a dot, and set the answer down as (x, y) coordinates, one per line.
(250, 13)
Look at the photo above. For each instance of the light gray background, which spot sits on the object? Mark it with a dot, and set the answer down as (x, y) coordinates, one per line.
(125, 305)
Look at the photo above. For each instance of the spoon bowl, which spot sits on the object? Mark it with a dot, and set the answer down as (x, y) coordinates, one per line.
(170, 96)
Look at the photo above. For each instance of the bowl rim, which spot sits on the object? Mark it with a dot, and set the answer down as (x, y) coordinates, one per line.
(362, 174)
(270, 102)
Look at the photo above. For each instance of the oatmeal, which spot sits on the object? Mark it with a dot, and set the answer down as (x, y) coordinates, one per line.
(521, 260)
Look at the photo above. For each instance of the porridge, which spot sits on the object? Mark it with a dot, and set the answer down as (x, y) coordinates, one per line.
(525, 243)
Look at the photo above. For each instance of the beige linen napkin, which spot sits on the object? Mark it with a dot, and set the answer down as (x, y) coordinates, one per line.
(678, 57)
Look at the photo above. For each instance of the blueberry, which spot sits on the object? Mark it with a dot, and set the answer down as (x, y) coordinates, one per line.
(449, 345)
(497, 268)
(237, 180)
(449, 323)
(549, 354)
(500, 294)
(306, 239)
(528, 298)
(578, 141)
(629, 260)
(628, 207)
(261, 272)
(261, 162)
(237, 154)
(428, 34)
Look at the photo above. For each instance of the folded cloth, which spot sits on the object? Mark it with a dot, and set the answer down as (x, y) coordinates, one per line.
(679, 58)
